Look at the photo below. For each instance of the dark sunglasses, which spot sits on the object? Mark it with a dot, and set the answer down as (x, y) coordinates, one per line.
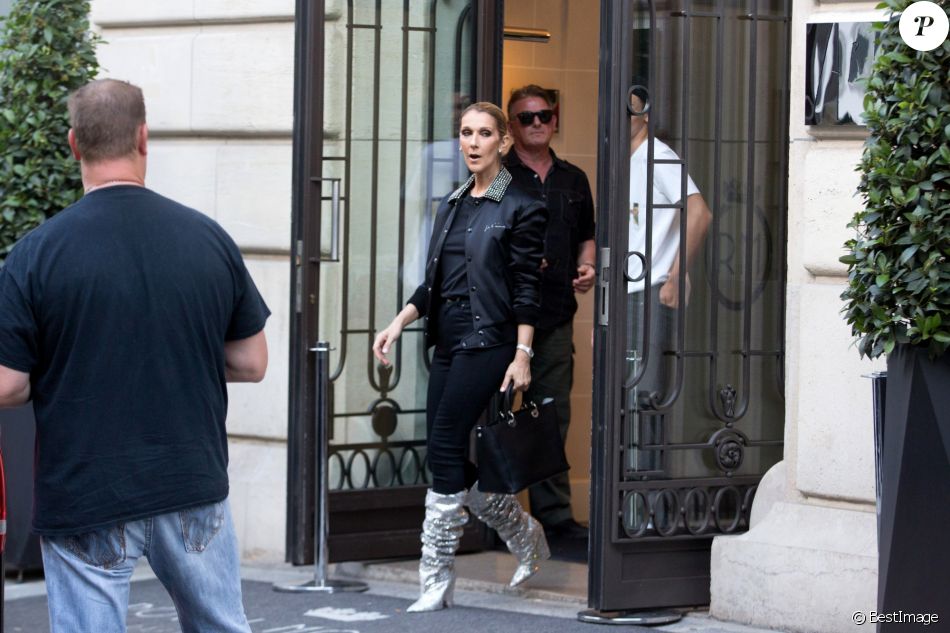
(527, 117)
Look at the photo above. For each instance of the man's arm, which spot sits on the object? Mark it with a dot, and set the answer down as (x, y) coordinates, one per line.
(586, 262)
(698, 217)
(245, 360)
(14, 387)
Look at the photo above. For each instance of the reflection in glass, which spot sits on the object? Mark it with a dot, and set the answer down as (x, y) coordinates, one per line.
(635, 514)
(714, 361)
(839, 56)
(696, 508)
(728, 512)
(390, 137)
(665, 515)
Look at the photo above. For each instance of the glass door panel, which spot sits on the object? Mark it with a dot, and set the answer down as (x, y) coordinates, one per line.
(380, 85)
(693, 361)
(397, 74)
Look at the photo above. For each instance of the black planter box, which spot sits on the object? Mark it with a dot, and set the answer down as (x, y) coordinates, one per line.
(17, 436)
(914, 566)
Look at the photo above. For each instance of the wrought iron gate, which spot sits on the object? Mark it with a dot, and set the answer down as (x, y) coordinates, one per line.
(677, 461)
(379, 84)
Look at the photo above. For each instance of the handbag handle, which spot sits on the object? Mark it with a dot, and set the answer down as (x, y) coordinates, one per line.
(507, 413)
(507, 400)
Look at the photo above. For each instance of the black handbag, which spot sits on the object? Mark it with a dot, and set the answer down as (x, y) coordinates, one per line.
(517, 449)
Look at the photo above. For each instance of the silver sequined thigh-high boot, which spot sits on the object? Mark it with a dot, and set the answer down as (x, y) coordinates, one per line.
(520, 531)
(441, 532)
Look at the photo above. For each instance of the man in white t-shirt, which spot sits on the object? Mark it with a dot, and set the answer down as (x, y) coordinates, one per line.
(664, 273)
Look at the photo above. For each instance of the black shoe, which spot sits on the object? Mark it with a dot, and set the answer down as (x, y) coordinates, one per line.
(566, 529)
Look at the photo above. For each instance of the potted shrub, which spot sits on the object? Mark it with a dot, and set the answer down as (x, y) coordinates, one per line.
(46, 51)
(898, 304)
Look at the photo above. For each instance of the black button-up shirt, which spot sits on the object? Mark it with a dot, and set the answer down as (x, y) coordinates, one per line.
(504, 243)
(454, 261)
(566, 193)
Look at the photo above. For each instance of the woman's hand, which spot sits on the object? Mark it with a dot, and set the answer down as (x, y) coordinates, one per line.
(518, 374)
(384, 340)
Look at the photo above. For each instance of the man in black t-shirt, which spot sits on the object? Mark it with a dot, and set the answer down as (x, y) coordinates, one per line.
(568, 267)
(122, 318)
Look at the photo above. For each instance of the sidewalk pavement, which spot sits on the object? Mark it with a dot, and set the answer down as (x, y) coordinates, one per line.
(380, 609)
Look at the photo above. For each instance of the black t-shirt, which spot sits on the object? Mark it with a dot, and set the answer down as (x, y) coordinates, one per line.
(453, 265)
(119, 308)
(566, 193)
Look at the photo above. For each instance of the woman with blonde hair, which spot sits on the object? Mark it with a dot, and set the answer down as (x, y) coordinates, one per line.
(480, 301)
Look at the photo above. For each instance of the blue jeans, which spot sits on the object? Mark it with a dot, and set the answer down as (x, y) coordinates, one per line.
(193, 553)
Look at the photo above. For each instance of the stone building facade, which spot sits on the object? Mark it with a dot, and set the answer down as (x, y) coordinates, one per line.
(218, 77)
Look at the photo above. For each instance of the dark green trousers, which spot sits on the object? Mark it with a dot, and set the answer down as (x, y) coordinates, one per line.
(552, 374)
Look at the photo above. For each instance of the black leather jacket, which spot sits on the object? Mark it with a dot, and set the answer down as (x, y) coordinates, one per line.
(504, 245)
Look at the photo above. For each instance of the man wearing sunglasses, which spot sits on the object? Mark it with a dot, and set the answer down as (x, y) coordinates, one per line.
(568, 267)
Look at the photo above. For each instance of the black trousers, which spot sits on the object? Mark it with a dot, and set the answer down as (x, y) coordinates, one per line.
(461, 384)
(552, 375)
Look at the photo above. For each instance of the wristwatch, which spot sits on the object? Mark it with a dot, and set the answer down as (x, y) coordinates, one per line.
(524, 348)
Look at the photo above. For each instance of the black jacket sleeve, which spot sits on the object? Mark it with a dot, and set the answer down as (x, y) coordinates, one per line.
(526, 249)
(420, 299)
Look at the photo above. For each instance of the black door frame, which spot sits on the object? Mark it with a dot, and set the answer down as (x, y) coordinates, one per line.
(307, 168)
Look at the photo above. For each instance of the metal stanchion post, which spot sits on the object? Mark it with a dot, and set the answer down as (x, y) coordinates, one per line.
(321, 417)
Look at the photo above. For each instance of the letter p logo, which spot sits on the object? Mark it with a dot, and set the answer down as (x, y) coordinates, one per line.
(924, 25)
(924, 21)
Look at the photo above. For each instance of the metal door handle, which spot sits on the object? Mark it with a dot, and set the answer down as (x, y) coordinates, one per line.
(643, 266)
(334, 216)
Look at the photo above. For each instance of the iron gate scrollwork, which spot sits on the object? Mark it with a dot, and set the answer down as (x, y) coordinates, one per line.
(686, 470)
(689, 391)
(401, 93)
(387, 80)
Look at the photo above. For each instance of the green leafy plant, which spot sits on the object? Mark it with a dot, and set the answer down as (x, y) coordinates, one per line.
(46, 51)
(899, 262)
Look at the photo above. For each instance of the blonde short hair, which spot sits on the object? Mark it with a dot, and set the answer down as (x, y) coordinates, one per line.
(486, 107)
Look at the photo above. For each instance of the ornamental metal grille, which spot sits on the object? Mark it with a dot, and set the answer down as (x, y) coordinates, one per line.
(703, 384)
(389, 155)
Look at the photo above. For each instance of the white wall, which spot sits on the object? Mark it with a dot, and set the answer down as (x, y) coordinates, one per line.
(218, 82)
(811, 560)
